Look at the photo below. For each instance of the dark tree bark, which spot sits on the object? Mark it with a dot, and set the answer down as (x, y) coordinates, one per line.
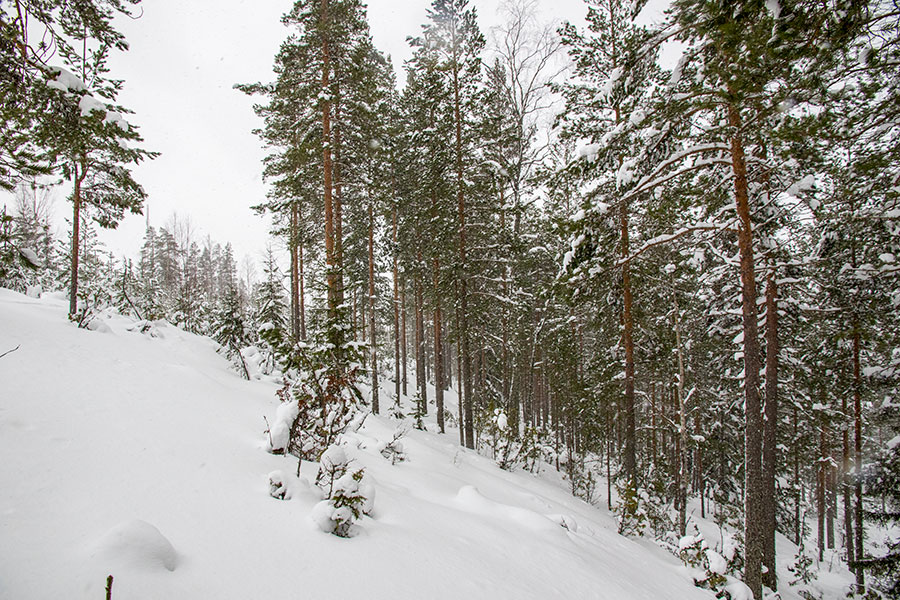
(78, 177)
(857, 428)
(770, 432)
(372, 341)
(438, 347)
(396, 309)
(753, 522)
(420, 348)
(820, 492)
(330, 262)
(294, 243)
(403, 352)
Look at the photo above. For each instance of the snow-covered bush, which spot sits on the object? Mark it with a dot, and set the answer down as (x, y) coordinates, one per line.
(396, 411)
(279, 431)
(494, 435)
(418, 413)
(346, 496)
(499, 440)
(631, 512)
(278, 487)
(582, 480)
(393, 450)
(322, 382)
(708, 567)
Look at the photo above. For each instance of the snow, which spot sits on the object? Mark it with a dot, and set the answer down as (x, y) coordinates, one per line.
(116, 118)
(138, 544)
(589, 152)
(614, 76)
(89, 104)
(31, 256)
(717, 563)
(280, 431)
(66, 81)
(145, 458)
(502, 422)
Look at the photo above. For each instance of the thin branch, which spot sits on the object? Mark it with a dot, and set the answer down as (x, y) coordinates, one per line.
(9, 351)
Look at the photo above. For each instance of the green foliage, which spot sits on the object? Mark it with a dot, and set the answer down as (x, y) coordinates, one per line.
(631, 513)
(229, 328)
(14, 263)
(709, 567)
(345, 500)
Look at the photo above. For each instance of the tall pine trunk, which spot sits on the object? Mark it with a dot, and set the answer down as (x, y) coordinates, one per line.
(403, 347)
(330, 264)
(770, 433)
(438, 349)
(76, 237)
(295, 289)
(396, 309)
(371, 303)
(468, 429)
(753, 522)
(857, 429)
(420, 347)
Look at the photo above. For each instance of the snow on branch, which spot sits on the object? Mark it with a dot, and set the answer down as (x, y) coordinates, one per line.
(663, 239)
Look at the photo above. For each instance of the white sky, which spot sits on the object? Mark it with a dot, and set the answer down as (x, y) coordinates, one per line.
(185, 56)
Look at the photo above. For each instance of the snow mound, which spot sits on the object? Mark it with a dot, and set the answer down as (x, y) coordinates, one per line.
(137, 544)
(471, 499)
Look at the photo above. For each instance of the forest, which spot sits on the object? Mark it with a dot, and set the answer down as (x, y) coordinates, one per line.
(677, 284)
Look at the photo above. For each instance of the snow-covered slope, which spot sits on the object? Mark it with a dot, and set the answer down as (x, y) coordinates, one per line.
(143, 457)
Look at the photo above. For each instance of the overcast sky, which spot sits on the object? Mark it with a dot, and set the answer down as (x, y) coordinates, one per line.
(185, 56)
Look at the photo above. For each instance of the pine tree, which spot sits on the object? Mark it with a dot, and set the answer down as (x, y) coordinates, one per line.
(91, 142)
(229, 329)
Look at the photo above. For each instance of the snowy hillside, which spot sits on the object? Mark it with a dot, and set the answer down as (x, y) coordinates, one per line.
(143, 457)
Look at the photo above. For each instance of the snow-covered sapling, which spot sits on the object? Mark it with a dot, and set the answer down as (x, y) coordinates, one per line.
(347, 497)
(708, 566)
(279, 432)
(631, 511)
(278, 487)
(393, 450)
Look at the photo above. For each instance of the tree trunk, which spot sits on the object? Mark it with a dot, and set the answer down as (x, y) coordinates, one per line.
(338, 203)
(798, 492)
(468, 429)
(770, 433)
(459, 399)
(301, 292)
(438, 354)
(857, 426)
(420, 349)
(829, 510)
(372, 342)
(629, 463)
(403, 355)
(294, 242)
(753, 523)
(330, 264)
(820, 493)
(76, 239)
(682, 425)
(396, 310)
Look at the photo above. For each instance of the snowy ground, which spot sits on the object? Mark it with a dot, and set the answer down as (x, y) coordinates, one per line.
(143, 457)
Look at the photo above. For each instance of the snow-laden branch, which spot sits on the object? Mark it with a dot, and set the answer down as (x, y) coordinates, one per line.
(663, 239)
